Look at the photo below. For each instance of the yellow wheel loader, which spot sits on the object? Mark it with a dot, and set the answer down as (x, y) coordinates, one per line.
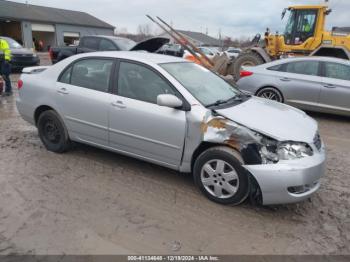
(304, 35)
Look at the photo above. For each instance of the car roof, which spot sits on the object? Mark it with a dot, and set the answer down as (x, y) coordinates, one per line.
(307, 58)
(6, 38)
(138, 56)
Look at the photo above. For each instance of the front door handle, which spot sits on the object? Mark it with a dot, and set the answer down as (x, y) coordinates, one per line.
(285, 79)
(63, 91)
(329, 86)
(119, 104)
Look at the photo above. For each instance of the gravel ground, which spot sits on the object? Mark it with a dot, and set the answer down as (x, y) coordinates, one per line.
(90, 201)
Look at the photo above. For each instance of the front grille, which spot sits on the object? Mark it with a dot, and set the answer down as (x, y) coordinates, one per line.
(318, 141)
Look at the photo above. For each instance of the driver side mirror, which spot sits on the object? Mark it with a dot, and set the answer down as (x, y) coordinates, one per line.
(169, 101)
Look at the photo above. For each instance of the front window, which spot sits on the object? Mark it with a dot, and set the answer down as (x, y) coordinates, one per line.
(204, 85)
(300, 26)
(337, 71)
(141, 83)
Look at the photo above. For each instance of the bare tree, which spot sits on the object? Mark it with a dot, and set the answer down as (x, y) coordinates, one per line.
(144, 29)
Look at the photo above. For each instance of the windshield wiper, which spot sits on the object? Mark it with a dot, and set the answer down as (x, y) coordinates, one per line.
(222, 101)
(217, 103)
(238, 97)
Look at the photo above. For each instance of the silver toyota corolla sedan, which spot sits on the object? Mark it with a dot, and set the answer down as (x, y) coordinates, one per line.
(177, 114)
(320, 84)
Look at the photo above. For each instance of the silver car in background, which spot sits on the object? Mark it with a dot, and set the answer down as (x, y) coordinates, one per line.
(320, 84)
(176, 114)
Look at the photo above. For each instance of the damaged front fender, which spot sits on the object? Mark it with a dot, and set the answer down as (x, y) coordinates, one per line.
(217, 129)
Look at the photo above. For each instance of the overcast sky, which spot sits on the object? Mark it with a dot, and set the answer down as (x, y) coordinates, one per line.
(235, 18)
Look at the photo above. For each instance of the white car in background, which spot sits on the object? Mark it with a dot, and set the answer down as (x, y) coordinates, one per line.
(233, 52)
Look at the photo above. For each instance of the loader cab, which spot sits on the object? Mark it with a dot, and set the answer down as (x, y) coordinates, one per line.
(301, 25)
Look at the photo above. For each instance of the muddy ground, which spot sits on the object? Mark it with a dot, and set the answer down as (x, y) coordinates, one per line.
(90, 201)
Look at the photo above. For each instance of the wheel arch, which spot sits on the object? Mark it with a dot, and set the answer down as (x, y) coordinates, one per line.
(332, 51)
(41, 109)
(262, 53)
(205, 146)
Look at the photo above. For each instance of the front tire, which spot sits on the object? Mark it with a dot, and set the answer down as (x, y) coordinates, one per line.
(219, 174)
(52, 132)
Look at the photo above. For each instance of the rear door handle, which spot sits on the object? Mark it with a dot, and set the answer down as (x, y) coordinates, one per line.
(118, 104)
(329, 86)
(63, 91)
(285, 79)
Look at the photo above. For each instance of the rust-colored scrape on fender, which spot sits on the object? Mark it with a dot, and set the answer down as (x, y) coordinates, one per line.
(233, 142)
(216, 123)
(223, 131)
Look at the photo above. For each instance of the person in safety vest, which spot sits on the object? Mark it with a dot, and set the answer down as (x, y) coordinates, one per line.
(5, 66)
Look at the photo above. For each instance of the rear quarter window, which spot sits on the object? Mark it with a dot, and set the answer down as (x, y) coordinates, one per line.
(276, 68)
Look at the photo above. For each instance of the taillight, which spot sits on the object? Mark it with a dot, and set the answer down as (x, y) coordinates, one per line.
(1, 85)
(50, 53)
(19, 84)
(245, 73)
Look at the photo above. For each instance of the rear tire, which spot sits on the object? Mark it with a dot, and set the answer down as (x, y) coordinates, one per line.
(246, 59)
(52, 132)
(219, 174)
(270, 93)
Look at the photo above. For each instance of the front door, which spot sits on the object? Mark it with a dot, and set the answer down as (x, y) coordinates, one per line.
(137, 124)
(83, 99)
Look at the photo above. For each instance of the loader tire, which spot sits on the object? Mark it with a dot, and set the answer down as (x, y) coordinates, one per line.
(246, 59)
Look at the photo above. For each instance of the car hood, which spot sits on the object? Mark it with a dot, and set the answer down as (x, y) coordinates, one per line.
(151, 45)
(21, 51)
(276, 120)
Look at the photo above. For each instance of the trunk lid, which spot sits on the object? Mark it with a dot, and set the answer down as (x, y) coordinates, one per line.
(151, 45)
(34, 69)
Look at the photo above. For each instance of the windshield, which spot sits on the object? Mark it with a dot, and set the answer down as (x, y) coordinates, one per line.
(124, 44)
(204, 85)
(12, 43)
(300, 26)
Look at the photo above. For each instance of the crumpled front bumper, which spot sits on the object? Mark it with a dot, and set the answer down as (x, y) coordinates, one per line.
(290, 181)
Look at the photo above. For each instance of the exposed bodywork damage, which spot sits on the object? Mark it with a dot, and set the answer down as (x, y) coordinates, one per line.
(217, 129)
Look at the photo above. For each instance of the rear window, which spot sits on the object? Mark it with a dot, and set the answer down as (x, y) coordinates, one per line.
(303, 68)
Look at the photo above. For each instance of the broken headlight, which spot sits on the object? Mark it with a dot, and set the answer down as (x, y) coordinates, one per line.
(272, 151)
(291, 150)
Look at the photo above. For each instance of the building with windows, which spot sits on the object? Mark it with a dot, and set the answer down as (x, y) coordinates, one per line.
(52, 26)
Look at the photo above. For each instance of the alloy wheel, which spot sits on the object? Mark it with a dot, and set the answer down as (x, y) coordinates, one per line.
(270, 94)
(219, 179)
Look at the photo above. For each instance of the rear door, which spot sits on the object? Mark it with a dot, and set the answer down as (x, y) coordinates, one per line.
(301, 83)
(335, 93)
(83, 99)
(137, 124)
